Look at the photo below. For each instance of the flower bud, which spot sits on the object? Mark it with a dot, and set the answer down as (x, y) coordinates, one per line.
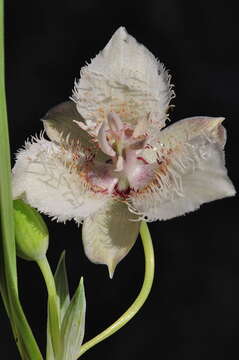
(31, 232)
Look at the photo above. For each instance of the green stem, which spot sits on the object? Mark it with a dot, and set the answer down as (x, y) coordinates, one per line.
(9, 288)
(138, 303)
(7, 224)
(53, 308)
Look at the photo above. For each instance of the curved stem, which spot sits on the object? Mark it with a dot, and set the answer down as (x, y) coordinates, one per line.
(54, 320)
(139, 301)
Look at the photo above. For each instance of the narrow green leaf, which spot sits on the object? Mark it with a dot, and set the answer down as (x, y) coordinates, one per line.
(3, 283)
(49, 347)
(6, 207)
(53, 306)
(63, 297)
(62, 288)
(73, 325)
(19, 323)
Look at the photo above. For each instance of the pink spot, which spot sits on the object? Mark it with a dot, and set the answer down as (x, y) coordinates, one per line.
(142, 159)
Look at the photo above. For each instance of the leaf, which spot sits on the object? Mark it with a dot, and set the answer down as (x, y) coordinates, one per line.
(73, 325)
(9, 269)
(62, 288)
(7, 237)
(3, 283)
(49, 347)
(63, 299)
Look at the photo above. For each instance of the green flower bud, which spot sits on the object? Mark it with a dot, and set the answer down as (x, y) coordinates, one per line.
(31, 232)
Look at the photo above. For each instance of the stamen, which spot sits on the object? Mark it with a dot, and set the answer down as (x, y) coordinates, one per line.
(115, 122)
(119, 164)
(141, 127)
(103, 142)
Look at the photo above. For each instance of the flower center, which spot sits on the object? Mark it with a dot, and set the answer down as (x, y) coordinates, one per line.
(124, 144)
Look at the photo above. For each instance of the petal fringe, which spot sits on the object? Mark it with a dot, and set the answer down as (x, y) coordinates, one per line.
(125, 78)
(46, 176)
(191, 170)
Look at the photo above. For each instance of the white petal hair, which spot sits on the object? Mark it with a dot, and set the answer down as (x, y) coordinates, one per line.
(191, 172)
(46, 177)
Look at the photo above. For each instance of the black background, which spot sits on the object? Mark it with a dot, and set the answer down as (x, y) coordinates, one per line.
(193, 309)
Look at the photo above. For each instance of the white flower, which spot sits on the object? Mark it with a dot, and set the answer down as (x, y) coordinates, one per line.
(109, 163)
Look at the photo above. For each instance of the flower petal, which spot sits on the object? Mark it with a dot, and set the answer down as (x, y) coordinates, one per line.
(108, 235)
(187, 129)
(125, 78)
(191, 170)
(62, 125)
(45, 176)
